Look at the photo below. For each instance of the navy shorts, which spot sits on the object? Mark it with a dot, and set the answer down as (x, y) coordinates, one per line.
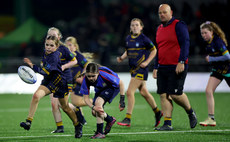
(141, 73)
(169, 82)
(57, 85)
(107, 94)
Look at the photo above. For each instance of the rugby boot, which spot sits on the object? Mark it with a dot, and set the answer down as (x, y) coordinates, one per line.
(164, 128)
(158, 116)
(109, 126)
(78, 131)
(125, 122)
(208, 122)
(192, 119)
(26, 125)
(98, 135)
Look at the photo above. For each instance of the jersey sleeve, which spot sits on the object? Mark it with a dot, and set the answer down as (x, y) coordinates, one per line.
(221, 47)
(49, 64)
(149, 44)
(68, 54)
(183, 39)
(82, 61)
(224, 52)
(39, 70)
(114, 80)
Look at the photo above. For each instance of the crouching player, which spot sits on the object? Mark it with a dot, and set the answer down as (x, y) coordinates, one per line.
(107, 85)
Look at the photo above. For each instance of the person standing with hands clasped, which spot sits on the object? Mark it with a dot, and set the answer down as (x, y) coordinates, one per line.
(140, 51)
(218, 57)
(171, 66)
(107, 85)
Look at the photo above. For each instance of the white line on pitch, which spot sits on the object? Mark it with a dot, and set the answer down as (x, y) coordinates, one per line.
(133, 133)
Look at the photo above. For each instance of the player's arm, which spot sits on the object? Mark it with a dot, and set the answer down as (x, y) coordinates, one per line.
(122, 96)
(150, 58)
(88, 102)
(69, 64)
(122, 57)
(28, 61)
(155, 66)
(69, 57)
(34, 67)
(225, 57)
(224, 51)
(183, 39)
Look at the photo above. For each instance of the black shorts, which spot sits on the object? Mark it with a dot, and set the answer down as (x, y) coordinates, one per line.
(220, 77)
(108, 94)
(169, 82)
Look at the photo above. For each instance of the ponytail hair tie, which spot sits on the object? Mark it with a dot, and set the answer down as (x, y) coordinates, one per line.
(207, 22)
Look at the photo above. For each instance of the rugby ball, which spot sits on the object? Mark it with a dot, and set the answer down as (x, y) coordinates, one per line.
(27, 74)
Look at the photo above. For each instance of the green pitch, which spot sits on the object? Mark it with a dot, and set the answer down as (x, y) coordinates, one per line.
(14, 109)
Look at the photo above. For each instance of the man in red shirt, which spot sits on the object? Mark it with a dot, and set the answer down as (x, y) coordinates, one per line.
(171, 65)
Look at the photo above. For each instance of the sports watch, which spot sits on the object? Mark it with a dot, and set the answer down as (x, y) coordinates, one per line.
(182, 62)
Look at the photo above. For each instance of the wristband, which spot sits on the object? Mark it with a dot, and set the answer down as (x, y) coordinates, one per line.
(122, 98)
(122, 101)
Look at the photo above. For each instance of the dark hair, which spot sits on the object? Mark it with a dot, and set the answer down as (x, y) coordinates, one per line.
(53, 38)
(92, 68)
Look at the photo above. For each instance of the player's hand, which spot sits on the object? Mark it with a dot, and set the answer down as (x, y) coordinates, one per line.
(28, 61)
(99, 110)
(119, 59)
(121, 108)
(155, 73)
(143, 64)
(207, 58)
(179, 68)
(63, 68)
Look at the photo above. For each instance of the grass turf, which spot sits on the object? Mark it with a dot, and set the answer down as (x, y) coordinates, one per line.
(14, 109)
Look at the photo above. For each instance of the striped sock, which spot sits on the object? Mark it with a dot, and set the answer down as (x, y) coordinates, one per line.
(59, 125)
(128, 115)
(156, 110)
(29, 119)
(168, 121)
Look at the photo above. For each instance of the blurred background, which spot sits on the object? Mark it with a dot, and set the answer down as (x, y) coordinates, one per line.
(100, 27)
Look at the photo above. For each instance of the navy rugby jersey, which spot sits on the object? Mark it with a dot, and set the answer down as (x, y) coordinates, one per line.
(65, 58)
(138, 49)
(106, 79)
(216, 47)
(50, 62)
(81, 63)
(218, 55)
